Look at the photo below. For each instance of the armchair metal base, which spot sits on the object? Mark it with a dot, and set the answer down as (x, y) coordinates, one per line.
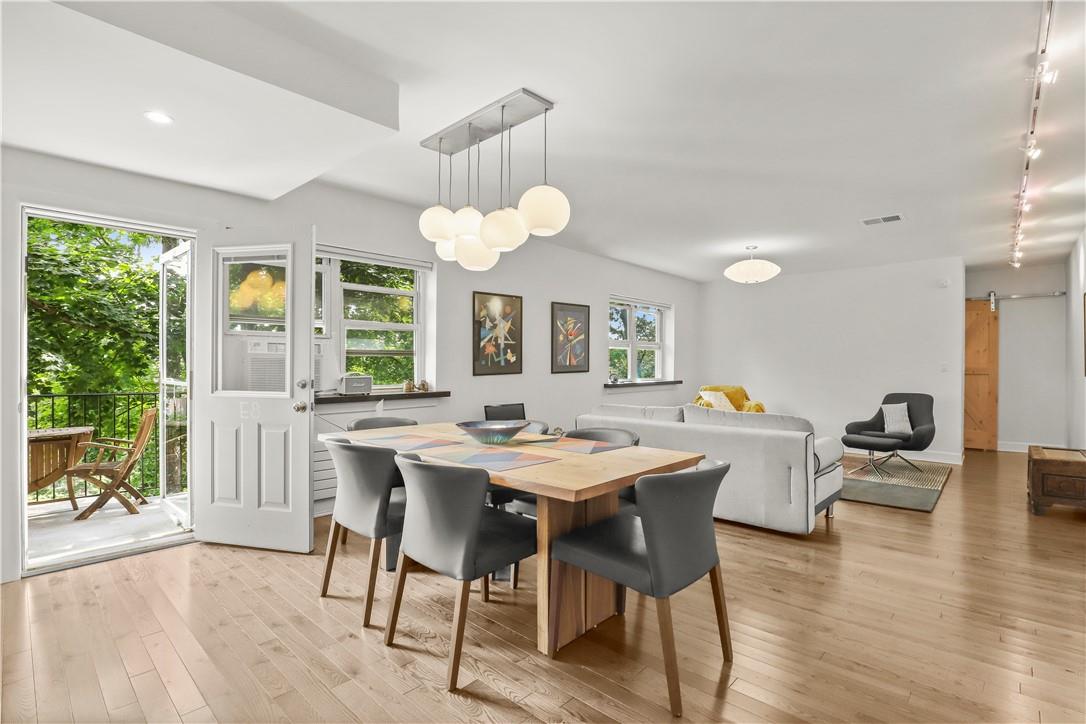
(876, 463)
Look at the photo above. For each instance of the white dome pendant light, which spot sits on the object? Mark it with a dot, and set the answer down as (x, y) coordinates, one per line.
(469, 249)
(544, 208)
(503, 229)
(752, 271)
(436, 222)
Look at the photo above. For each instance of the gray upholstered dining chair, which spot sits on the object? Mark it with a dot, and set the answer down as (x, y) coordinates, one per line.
(525, 503)
(370, 500)
(498, 495)
(371, 423)
(448, 530)
(507, 411)
(670, 546)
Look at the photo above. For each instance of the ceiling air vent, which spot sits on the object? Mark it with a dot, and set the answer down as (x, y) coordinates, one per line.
(881, 219)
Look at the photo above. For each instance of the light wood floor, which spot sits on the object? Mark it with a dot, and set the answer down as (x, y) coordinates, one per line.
(975, 612)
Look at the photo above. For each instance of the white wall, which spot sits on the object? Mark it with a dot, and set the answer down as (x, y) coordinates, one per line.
(828, 346)
(1076, 375)
(539, 271)
(1032, 353)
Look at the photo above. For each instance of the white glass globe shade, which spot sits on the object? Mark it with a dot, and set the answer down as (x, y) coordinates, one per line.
(752, 271)
(446, 249)
(466, 222)
(473, 255)
(503, 230)
(435, 224)
(545, 210)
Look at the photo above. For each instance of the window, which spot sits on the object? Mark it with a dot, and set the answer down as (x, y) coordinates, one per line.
(635, 340)
(321, 270)
(381, 325)
(257, 294)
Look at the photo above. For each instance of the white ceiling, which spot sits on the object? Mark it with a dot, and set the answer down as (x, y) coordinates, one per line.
(682, 131)
(77, 87)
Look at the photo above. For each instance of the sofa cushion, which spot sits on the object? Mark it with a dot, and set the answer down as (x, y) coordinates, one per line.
(760, 421)
(717, 400)
(828, 452)
(663, 413)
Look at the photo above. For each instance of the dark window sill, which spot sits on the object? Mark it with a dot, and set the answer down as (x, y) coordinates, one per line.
(378, 396)
(645, 383)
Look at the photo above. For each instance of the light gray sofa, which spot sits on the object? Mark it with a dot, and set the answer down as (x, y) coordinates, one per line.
(781, 475)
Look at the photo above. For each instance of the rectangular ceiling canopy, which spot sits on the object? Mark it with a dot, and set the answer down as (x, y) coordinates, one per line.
(520, 106)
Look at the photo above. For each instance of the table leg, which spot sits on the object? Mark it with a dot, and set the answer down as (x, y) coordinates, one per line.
(582, 600)
(553, 518)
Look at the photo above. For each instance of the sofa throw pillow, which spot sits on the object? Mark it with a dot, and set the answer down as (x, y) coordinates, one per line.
(717, 400)
(895, 419)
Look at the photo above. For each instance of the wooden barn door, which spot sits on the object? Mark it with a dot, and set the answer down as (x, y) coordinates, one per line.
(981, 375)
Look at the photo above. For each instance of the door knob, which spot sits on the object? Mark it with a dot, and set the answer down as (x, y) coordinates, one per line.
(300, 407)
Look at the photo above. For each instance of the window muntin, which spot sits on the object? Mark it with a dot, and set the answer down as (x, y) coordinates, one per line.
(635, 354)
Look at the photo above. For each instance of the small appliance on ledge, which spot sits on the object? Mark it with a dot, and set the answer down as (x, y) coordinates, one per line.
(493, 432)
(355, 384)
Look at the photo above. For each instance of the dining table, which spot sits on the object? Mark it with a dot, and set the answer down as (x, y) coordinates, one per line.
(576, 483)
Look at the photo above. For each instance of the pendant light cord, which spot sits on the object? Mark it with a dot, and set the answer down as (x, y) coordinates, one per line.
(509, 178)
(469, 165)
(501, 165)
(545, 147)
(440, 141)
(478, 163)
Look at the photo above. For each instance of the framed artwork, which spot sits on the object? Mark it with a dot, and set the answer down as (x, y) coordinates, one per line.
(569, 337)
(497, 334)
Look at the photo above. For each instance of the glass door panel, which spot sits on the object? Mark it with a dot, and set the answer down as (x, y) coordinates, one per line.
(174, 382)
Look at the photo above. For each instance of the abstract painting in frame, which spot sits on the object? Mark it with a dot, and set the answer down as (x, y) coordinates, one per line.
(569, 337)
(497, 334)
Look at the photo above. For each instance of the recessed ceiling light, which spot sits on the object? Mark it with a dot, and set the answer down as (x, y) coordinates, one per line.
(158, 117)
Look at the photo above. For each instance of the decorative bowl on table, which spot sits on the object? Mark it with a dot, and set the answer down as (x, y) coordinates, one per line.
(493, 432)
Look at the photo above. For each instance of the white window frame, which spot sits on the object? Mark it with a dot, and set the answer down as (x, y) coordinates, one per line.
(632, 345)
(337, 325)
(322, 265)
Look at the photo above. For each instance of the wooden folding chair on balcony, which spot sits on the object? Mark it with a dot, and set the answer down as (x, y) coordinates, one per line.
(113, 461)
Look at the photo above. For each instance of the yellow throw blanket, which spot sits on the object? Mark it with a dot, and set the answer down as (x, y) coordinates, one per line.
(735, 394)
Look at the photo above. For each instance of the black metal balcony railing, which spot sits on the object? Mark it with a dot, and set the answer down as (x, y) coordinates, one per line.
(111, 414)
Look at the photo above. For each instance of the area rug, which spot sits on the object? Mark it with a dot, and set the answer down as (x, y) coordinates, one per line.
(901, 486)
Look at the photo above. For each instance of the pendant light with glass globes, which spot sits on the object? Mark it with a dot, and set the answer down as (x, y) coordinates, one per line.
(466, 236)
(470, 251)
(752, 271)
(503, 229)
(544, 208)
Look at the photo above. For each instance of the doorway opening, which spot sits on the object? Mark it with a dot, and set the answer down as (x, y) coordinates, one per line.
(107, 391)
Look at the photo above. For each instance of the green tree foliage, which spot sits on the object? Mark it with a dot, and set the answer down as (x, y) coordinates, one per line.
(92, 308)
(373, 352)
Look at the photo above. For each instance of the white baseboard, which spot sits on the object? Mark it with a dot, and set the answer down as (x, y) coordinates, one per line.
(1021, 447)
(931, 456)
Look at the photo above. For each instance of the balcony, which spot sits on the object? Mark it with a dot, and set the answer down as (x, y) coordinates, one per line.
(55, 535)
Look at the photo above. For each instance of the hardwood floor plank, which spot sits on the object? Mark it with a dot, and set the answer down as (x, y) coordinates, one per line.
(974, 612)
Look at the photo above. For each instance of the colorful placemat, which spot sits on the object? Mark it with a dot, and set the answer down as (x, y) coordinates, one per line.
(577, 445)
(411, 443)
(492, 458)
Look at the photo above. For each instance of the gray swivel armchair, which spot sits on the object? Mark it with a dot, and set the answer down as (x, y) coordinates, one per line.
(448, 530)
(370, 500)
(670, 546)
(871, 435)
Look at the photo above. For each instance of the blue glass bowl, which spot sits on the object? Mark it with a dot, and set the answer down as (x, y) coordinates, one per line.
(493, 432)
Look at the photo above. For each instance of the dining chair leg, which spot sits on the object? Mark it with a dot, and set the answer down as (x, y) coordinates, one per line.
(485, 588)
(397, 593)
(671, 661)
(71, 493)
(371, 583)
(721, 612)
(460, 615)
(516, 575)
(329, 556)
(343, 540)
(555, 596)
(620, 598)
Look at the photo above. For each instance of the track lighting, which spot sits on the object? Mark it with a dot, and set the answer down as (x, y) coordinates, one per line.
(1045, 72)
(1031, 150)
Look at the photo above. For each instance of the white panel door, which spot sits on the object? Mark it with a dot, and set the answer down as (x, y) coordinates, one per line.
(251, 431)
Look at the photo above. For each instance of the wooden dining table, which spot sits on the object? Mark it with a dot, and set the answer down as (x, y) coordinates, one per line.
(573, 489)
(52, 451)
